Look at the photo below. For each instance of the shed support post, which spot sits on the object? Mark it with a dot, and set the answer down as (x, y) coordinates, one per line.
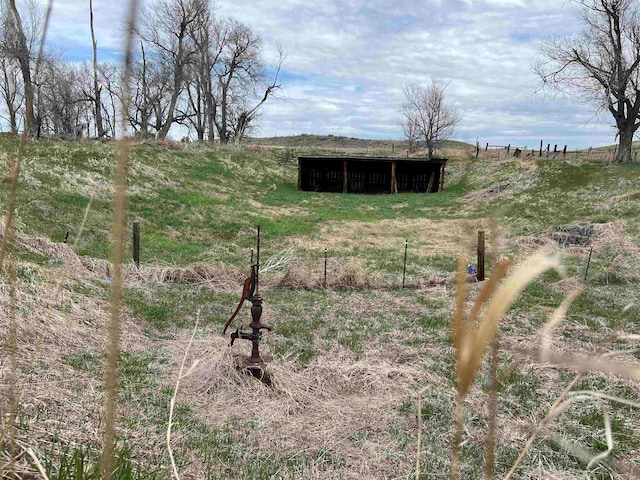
(432, 181)
(344, 176)
(442, 176)
(394, 180)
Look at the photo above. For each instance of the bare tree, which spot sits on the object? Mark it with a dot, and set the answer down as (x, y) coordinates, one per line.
(166, 30)
(109, 78)
(601, 64)
(427, 111)
(240, 74)
(200, 105)
(18, 40)
(61, 105)
(11, 90)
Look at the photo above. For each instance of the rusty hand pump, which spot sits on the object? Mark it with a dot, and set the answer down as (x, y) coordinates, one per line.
(254, 363)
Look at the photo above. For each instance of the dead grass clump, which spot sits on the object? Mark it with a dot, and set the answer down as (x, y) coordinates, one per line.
(349, 273)
(43, 246)
(60, 251)
(532, 243)
(353, 275)
(215, 277)
(619, 272)
(629, 196)
(613, 235)
(566, 285)
(297, 275)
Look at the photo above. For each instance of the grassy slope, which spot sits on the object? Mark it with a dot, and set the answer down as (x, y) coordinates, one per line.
(200, 207)
(332, 142)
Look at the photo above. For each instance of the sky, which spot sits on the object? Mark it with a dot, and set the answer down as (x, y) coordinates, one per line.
(347, 63)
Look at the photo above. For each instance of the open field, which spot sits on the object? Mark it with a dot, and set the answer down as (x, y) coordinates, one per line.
(348, 360)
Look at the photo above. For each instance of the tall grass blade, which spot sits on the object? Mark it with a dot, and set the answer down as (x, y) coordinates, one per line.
(111, 369)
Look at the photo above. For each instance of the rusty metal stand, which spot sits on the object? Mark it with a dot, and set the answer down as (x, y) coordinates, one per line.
(253, 364)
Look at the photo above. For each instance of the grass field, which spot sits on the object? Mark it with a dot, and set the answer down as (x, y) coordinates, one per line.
(348, 360)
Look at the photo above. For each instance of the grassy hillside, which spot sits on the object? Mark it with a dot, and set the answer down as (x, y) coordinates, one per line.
(348, 360)
(340, 143)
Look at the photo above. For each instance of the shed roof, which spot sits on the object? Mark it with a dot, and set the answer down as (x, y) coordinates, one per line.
(373, 159)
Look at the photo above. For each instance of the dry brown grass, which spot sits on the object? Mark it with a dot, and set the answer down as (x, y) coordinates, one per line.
(349, 273)
(447, 237)
(320, 407)
(68, 327)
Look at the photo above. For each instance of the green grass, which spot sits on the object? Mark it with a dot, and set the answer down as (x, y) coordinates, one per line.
(562, 193)
(65, 461)
(171, 306)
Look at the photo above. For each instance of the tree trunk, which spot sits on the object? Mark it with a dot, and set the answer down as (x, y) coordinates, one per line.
(164, 131)
(23, 58)
(626, 140)
(96, 89)
(211, 113)
(13, 121)
(430, 148)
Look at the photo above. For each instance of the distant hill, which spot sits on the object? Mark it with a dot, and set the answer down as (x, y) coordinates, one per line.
(336, 141)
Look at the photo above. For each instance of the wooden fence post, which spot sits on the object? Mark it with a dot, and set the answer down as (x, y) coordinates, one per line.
(325, 268)
(404, 268)
(586, 270)
(540, 147)
(481, 254)
(564, 152)
(136, 243)
(486, 148)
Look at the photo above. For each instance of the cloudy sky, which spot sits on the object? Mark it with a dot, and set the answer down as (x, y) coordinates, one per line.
(347, 62)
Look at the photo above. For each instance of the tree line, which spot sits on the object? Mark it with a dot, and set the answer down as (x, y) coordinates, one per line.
(192, 68)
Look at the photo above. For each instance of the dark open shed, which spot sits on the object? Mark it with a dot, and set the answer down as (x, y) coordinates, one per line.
(370, 174)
